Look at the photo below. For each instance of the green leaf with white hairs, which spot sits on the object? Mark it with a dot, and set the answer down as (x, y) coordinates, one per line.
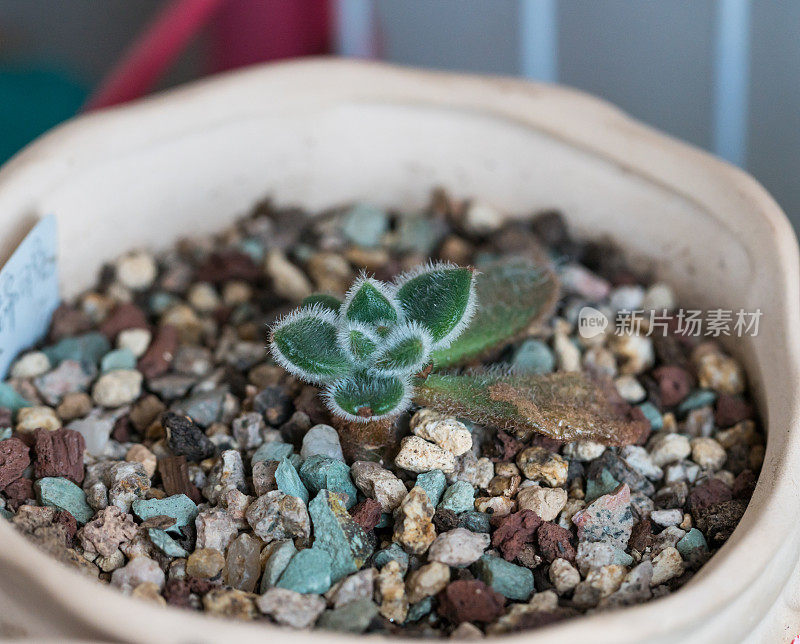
(515, 294)
(324, 300)
(304, 343)
(370, 301)
(440, 297)
(359, 341)
(365, 397)
(405, 351)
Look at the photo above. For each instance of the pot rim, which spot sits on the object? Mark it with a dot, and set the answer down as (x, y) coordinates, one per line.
(581, 121)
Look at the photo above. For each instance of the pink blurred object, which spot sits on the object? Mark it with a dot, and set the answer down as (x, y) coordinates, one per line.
(243, 32)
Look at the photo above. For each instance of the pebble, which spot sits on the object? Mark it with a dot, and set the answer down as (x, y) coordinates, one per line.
(179, 506)
(466, 631)
(117, 359)
(568, 355)
(668, 448)
(287, 279)
(510, 580)
(136, 270)
(288, 481)
(85, 349)
(30, 365)
(320, 472)
(533, 356)
(356, 587)
(666, 518)
(379, 483)
(547, 503)
(426, 581)
(448, 433)
(322, 440)
(140, 570)
(635, 353)
(475, 471)
(626, 298)
(391, 591)
(470, 601)
(630, 389)
(117, 388)
(708, 453)
(599, 583)
(272, 451)
(639, 459)
(276, 515)
(659, 297)
(608, 519)
(583, 451)
(205, 563)
(290, 608)
(110, 529)
(413, 527)
(434, 484)
(165, 543)
(667, 565)
(14, 460)
(279, 554)
(393, 552)
(720, 373)
(308, 572)
(481, 218)
(30, 418)
(140, 454)
(418, 455)
(458, 498)
(593, 555)
(458, 548)
(10, 399)
(216, 528)
(563, 576)
(351, 618)
(96, 430)
(579, 280)
(541, 465)
(692, 546)
(134, 340)
(365, 225)
(63, 494)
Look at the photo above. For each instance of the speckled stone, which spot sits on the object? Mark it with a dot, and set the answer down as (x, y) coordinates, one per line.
(290, 608)
(608, 519)
(413, 527)
(459, 497)
(308, 572)
(63, 494)
(434, 483)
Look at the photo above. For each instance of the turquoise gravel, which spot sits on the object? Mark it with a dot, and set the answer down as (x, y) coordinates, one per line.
(510, 580)
(178, 506)
(63, 494)
(309, 571)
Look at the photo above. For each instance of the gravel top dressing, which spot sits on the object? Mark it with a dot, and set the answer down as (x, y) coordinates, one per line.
(478, 454)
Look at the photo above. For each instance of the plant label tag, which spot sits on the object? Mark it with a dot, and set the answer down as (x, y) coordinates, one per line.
(28, 291)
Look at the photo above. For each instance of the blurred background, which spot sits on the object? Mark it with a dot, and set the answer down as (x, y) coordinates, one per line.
(722, 74)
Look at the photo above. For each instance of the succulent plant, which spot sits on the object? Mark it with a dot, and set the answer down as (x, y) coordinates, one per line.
(377, 351)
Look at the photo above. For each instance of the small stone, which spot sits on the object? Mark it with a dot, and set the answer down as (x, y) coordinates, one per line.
(607, 519)
(230, 603)
(74, 405)
(547, 503)
(247, 430)
(470, 601)
(533, 356)
(276, 515)
(242, 563)
(379, 483)
(554, 542)
(638, 459)
(668, 448)
(205, 563)
(14, 460)
(495, 505)
(290, 608)
(336, 533)
(139, 570)
(708, 453)
(674, 384)
(351, 618)
(634, 353)
(216, 528)
(203, 407)
(272, 451)
(96, 430)
(356, 587)
(458, 498)
(594, 555)
(227, 474)
(69, 377)
(666, 518)
(695, 400)
(475, 471)
(426, 581)
(365, 225)
(30, 365)
(279, 554)
(568, 355)
(563, 576)
(466, 631)
(414, 528)
(510, 580)
(136, 270)
(320, 472)
(392, 593)
(720, 374)
(85, 349)
(148, 591)
(475, 522)
(158, 357)
(630, 389)
(118, 359)
(514, 531)
(667, 565)
(393, 552)
(418, 455)
(717, 522)
(165, 543)
(185, 438)
(448, 433)
(288, 280)
(289, 482)
(583, 451)
(367, 514)
(29, 418)
(180, 507)
(134, 340)
(104, 534)
(434, 484)
(599, 584)
(458, 548)
(140, 454)
(308, 572)
(692, 546)
(481, 218)
(63, 494)
(117, 388)
(539, 464)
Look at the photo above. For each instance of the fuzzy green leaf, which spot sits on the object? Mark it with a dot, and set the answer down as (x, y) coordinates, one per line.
(441, 298)
(359, 341)
(304, 343)
(322, 299)
(564, 406)
(363, 397)
(405, 351)
(370, 302)
(514, 294)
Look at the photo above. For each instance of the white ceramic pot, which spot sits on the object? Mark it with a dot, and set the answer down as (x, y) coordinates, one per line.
(324, 132)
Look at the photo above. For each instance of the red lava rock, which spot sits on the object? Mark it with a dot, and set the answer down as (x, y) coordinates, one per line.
(67, 521)
(176, 593)
(14, 458)
(200, 586)
(514, 531)
(731, 410)
(230, 265)
(674, 384)
(470, 601)
(554, 542)
(708, 493)
(507, 447)
(19, 492)
(156, 360)
(641, 535)
(124, 316)
(122, 429)
(68, 321)
(744, 485)
(311, 403)
(59, 453)
(717, 522)
(367, 514)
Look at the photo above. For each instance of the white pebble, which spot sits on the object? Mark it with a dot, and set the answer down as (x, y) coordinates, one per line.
(658, 297)
(322, 440)
(137, 270)
(139, 570)
(136, 340)
(481, 218)
(583, 451)
(117, 388)
(563, 576)
(418, 455)
(447, 433)
(458, 547)
(626, 298)
(637, 457)
(568, 356)
(666, 518)
(708, 453)
(667, 565)
(287, 279)
(547, 502)
(630, 389)
(30, 365)
(668, 448)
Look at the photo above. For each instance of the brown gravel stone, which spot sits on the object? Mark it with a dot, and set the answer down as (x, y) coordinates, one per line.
(744, 485)
(470, 601)
(74, 405)
(14, 458)
(674, 384)
(226, 266)
(641, 535)
(506, 446)
(68, 321)
(59, 453)
(367, 514)
(156, 360)
(514, 531)
(67, 522)
(731, 410)
(718, 521)
(124, 316)
(710, 492)
(555, 542)
(110, 529)
(176, 592)
(174, 472)
(19, 492)
(205, 563)
(445, 520)
(145, 410)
